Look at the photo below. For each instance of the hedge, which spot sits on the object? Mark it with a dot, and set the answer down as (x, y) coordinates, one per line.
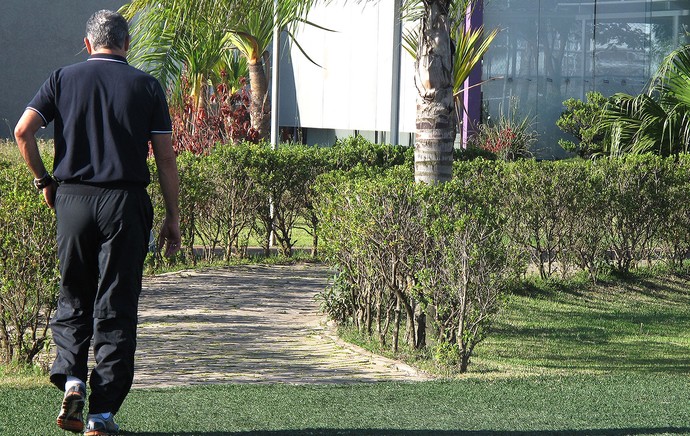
(28, 266)
(227, 195)
(408, 253)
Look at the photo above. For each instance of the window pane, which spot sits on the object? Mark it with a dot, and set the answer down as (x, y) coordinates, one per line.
(552, 50)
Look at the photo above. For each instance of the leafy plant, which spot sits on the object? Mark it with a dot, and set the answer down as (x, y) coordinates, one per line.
(28, 267)
(636, 192)
(223, 119)
(510, 138)
(657, 121)
(406, 253)
(173, 36)
(583, 120)
(467, 260)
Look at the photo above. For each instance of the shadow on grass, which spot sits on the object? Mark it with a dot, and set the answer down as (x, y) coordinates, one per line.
(390, 432)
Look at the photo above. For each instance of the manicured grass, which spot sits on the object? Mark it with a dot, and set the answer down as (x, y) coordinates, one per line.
(638, 324)
(564, 359)
(576, 405)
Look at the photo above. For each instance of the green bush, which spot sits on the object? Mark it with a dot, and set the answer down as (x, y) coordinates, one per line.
(536, 205)
(467, 262)
(636, 192)
(581, 243)
(350, 152)
(29, 277)
(410, 256)
(415, 264)
(674, 237)
(283, 179)
(371, 233)
(407, 252)
(583, 120)
(226, 195)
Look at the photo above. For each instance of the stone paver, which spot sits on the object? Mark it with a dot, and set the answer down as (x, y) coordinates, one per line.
(255, 324)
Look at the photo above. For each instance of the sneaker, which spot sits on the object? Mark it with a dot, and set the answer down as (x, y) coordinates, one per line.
(99, 426)
(71, 417)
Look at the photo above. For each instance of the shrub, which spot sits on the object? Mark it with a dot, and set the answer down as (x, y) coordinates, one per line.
(416, 251)
(674, 237)
(226, 193)
(582, 240)
(467, 261)
(371, 230)
(196, 192)
(658, 120)
(583, 120)
(636, 195)
(223, 118)
(350, 152)
(536, 207)
(445, 255)
(28, 267)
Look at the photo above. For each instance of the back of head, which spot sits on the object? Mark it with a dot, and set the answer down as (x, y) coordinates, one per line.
(107, 29)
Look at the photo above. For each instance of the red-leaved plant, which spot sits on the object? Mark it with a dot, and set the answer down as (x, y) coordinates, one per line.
(510, 138)
(223, 117)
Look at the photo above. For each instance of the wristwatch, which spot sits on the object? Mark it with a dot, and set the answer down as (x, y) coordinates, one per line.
(43, 182)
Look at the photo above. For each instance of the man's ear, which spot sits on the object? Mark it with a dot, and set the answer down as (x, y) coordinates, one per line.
(87, 43)
(127, 41)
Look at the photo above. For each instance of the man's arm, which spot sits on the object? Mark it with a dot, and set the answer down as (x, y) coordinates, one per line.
(25, 134)
(170, 185)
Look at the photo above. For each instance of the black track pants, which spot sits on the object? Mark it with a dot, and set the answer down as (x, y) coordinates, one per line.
(103, 236)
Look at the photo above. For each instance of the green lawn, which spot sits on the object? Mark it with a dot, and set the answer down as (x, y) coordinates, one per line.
(640, 325)
(574, 405)
(563, 360)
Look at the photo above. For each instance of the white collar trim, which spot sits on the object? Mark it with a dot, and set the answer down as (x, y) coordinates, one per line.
(107, 59)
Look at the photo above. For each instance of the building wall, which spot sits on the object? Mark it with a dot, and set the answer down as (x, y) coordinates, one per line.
(350, 88)
(547, 51)
(36, 37)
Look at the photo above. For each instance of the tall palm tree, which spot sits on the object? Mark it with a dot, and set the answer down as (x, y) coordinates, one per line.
(445, 52)
(435, 121)
(252, 34)
(173, 40)
(172, 37)
(658, 120)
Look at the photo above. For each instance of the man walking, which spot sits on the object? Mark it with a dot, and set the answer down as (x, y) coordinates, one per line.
(105, 113)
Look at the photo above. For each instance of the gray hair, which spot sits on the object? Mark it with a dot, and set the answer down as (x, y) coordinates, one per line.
(107, 29)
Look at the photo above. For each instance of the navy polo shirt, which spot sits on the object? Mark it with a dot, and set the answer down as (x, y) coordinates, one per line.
(105, 112)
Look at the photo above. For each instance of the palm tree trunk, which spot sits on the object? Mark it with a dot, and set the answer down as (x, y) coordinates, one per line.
(260, 106)
(435, 123)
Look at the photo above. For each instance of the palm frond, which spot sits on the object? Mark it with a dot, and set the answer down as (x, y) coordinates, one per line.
(299, 47)
(471, 45)
(246, 44)
(638, 125)
(410, 41)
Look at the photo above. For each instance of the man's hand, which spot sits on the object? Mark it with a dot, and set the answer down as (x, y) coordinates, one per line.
(169, 236)
(49, 194)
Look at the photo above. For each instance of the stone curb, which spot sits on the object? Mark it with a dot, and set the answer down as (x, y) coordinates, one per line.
(410, 371)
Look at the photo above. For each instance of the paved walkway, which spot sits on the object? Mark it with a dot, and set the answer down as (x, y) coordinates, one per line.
(255, 324)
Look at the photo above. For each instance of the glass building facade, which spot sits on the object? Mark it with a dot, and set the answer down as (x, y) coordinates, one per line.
(552, 50)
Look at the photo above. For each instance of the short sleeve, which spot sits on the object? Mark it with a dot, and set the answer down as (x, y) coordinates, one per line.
(160, 121)
(44, 101)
